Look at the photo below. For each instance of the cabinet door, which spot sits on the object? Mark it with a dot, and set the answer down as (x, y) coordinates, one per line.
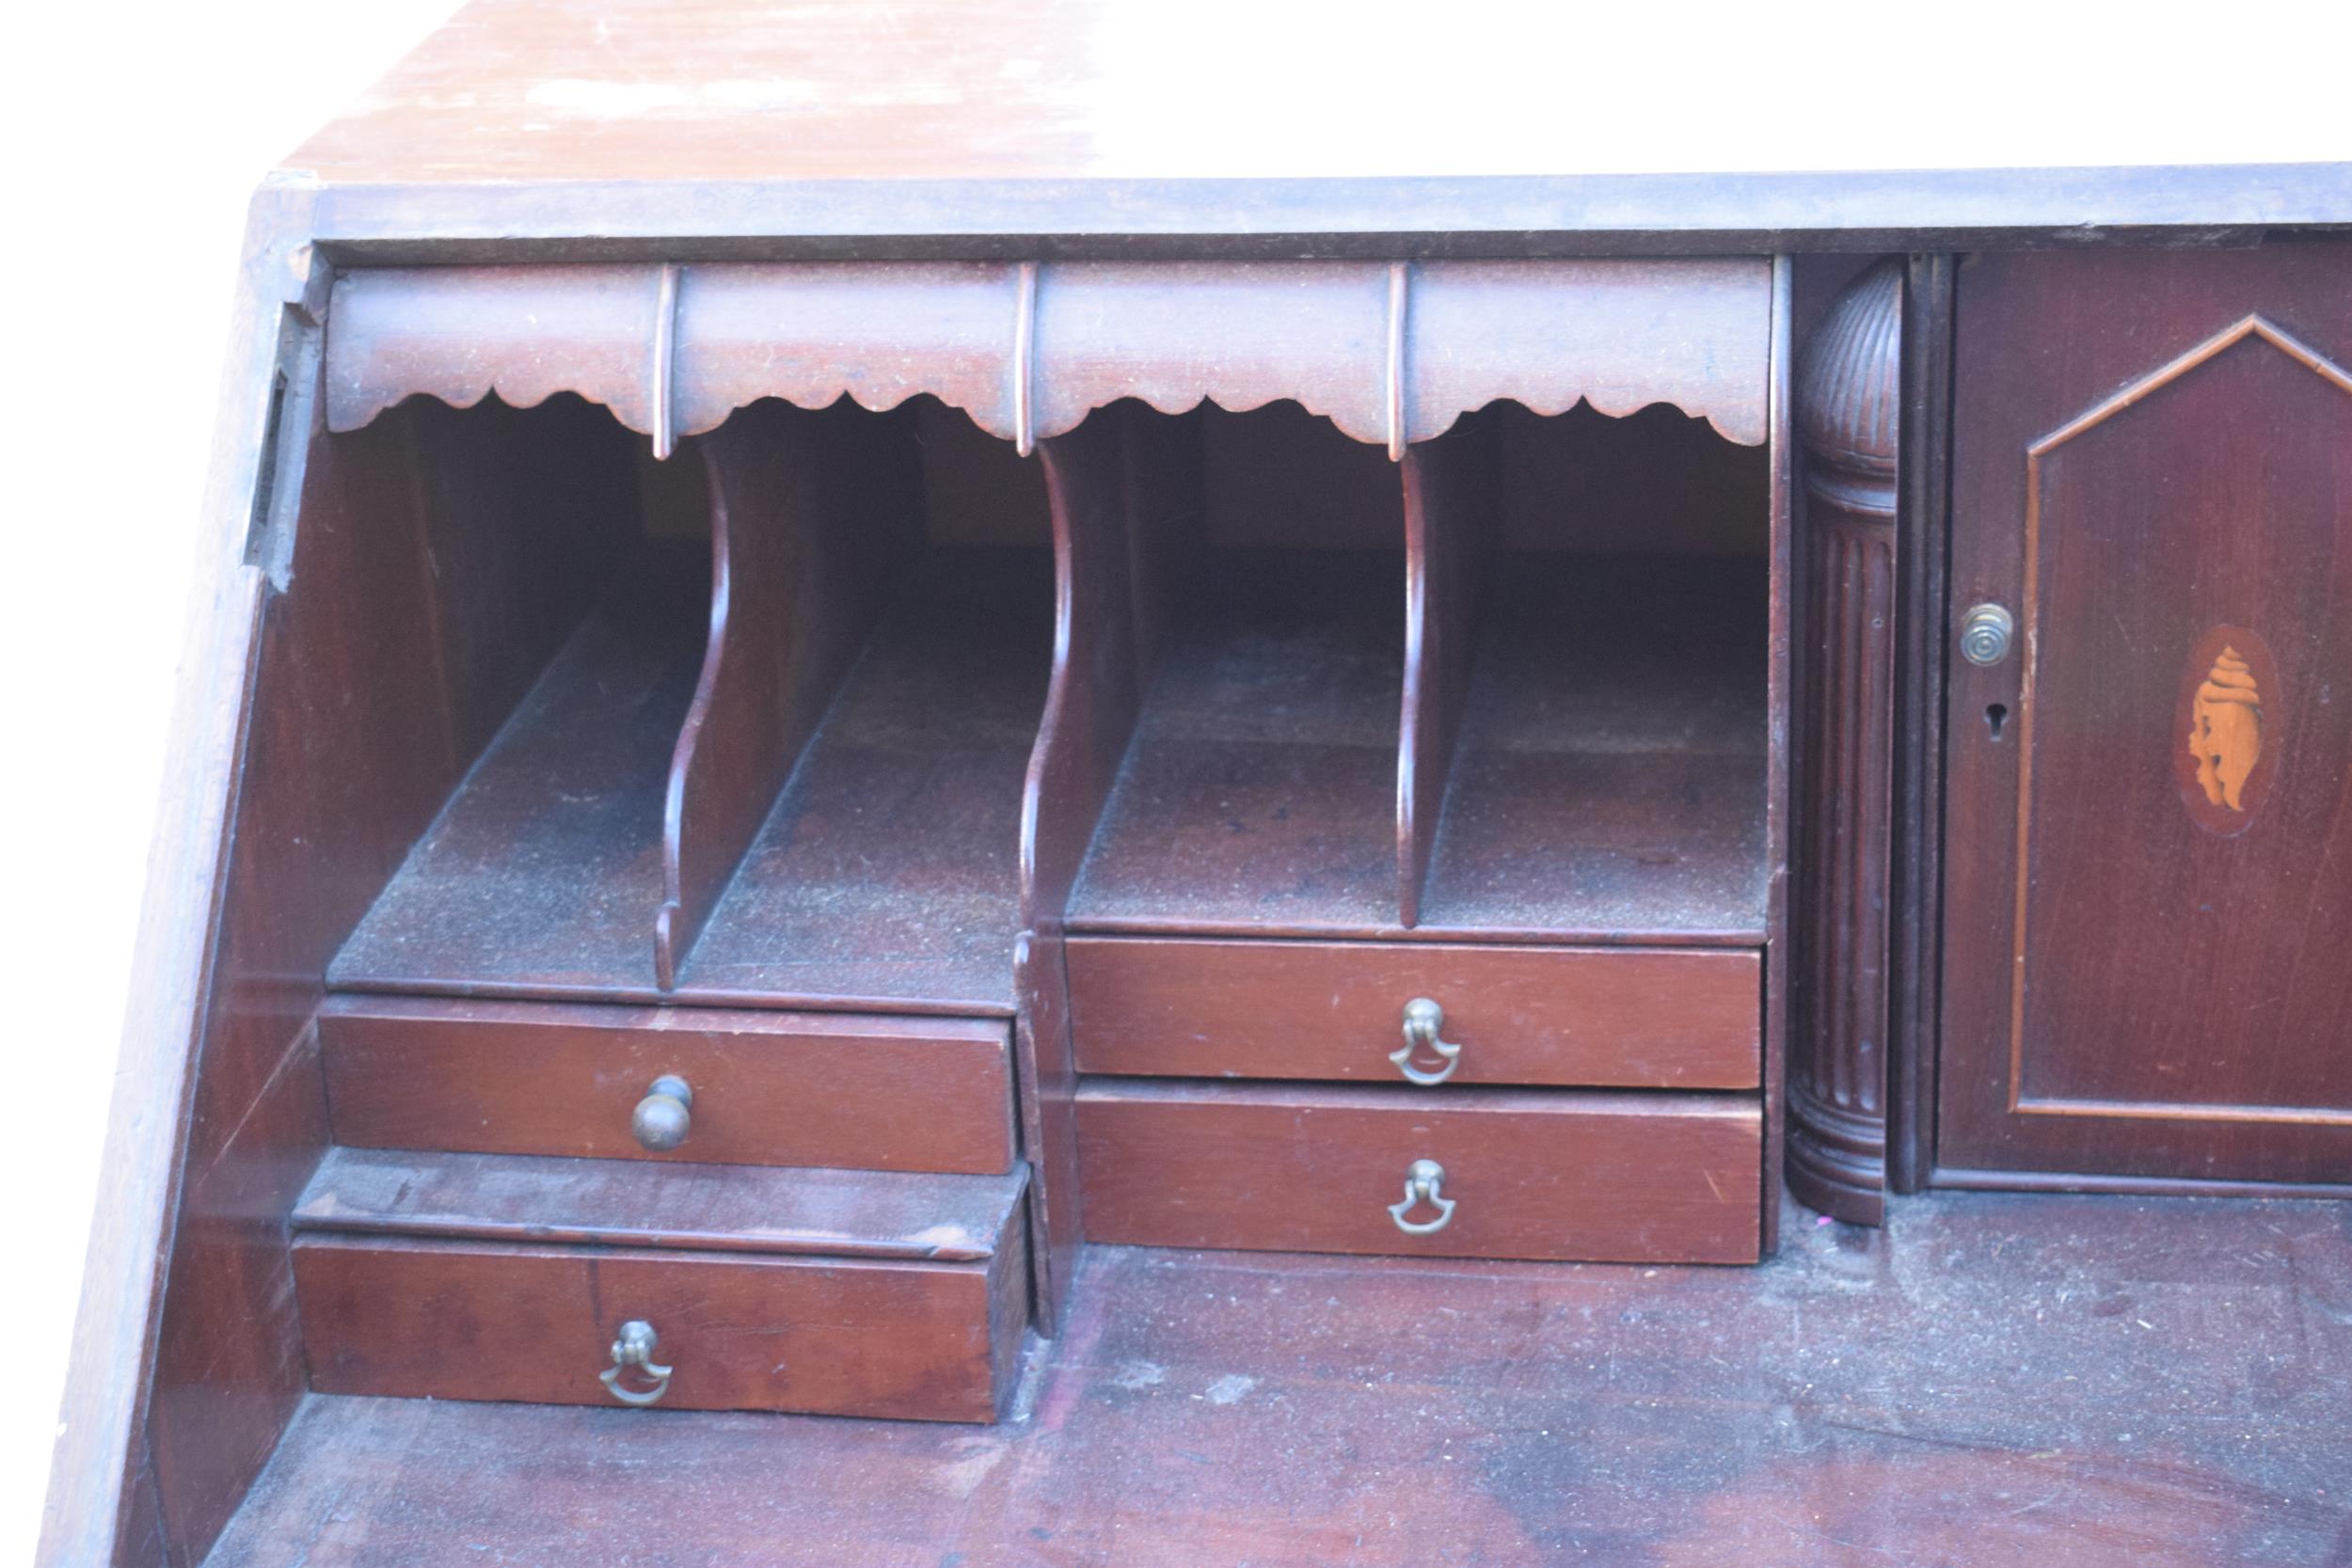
(2148, 922)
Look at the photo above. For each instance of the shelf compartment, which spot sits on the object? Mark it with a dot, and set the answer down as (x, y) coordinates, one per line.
(1258, 793)
(1587, 726)
(1610, 779)
(541, 873)
(887, 874)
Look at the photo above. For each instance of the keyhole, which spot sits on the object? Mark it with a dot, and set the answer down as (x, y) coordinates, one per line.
(1994, 717)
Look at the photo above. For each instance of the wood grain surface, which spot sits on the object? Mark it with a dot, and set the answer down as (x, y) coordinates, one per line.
(808, 1213)
(1998, 1380)
(467, 1321)
(1609, 1177)
(1635, 1017)
(770, 1088)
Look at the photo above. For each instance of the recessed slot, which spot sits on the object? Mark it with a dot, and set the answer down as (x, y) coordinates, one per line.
(1610, 780)
(1259, 789)
(844, 827)
(1996, 719)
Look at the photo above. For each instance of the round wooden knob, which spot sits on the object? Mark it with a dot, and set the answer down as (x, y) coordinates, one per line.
(665, 1115)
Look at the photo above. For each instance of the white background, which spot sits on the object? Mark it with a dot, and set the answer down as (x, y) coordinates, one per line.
(133, 133)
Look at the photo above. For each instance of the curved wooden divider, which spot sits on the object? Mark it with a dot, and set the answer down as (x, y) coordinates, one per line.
(1452, 520)
(1123, 488)
(804, 541)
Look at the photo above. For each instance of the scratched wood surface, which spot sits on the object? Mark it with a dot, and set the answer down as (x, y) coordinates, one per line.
(2000, 1381)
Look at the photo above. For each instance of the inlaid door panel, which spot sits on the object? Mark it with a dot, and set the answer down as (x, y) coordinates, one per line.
(2148, 923)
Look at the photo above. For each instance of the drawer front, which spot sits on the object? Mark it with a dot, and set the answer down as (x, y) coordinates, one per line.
(459, 1321)
(767, 1088)
(1614, 1177)
(1633, 1018)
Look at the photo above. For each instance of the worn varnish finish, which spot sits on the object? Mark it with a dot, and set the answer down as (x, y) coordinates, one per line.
(424, 546)
(1848, 396)
(801, 1212)
(1631, 1018)
(469, 1320)
(2142, 980)
(2005, 1382)
(1620, 1176)
(1389, 353)
(810, 521)
(771, 1088)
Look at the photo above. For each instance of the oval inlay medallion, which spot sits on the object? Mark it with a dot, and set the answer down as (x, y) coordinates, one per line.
(2227, 729)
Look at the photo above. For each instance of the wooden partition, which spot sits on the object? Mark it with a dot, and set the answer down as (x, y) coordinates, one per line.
(1451, 522)
(810, 522)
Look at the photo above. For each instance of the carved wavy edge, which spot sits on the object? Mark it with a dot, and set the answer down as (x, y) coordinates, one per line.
(1393, 426)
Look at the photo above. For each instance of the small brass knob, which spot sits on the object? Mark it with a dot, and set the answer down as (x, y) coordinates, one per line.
(1985, 633)
(665, 1115)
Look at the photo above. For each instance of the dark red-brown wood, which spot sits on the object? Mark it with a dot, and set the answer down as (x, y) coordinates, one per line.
(1849, 400)
(1100, 484)
(806, 1212)
(770, 1088)
(470, 1321)
(2170, 1401)
(438, 562)
(812, 514)
(1453, 523)
(1610, 1177)
(1631, 1018)
(2145, 965)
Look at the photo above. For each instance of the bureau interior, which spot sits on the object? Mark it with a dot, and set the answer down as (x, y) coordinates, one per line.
(804, 790)
(1518, 691)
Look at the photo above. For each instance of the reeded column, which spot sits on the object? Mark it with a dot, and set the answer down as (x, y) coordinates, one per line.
(1847, 398)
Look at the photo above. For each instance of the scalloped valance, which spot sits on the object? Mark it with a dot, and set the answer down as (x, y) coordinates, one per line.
(1390, 352)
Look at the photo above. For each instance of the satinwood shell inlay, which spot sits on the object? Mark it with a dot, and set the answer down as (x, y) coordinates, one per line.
(2228, 727)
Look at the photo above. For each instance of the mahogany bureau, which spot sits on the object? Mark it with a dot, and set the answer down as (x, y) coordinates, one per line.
(781, 758)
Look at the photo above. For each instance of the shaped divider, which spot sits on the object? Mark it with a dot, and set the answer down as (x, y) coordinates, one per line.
(809, 527)
(1451, 522)
(1123, 488)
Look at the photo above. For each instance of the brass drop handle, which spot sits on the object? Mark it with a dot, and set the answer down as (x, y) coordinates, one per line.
(635, 1348)
(665, 1115)
(1422, 1182)
(1423, 1019)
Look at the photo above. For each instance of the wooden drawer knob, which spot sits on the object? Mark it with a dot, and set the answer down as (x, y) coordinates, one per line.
(665, 1115)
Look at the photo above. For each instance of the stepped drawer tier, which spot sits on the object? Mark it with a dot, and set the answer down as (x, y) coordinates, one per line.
(1634, 1018)
(704, 1084)
(698, 1288)
(1481, 1173)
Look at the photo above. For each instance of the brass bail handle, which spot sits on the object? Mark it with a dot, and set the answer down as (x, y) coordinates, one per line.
(635, 1348)
(1423, 1019)
(1422, 1184)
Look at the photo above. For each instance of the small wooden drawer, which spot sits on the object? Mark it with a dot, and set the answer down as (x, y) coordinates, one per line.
(1602, 1177)
(1633, 1018)
(492, 1277)
(902, 1094)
